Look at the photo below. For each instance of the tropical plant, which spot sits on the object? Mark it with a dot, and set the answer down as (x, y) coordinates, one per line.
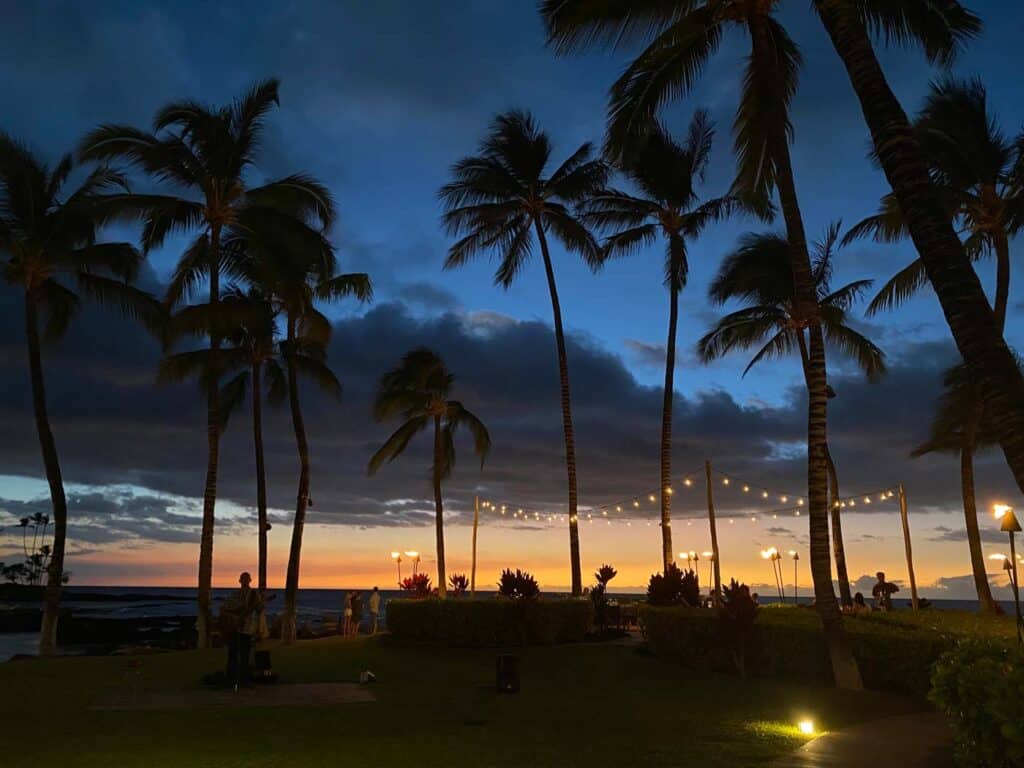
(681, 36)
(957, 428)
(498, 201)
(599, 594)
(417, 585)
(674, 587)
(941, 28)
(666, 174)
(518, 585)
(207, 152)
(758, 274)
(737, 613)
(459, 583)
(417, 391)
(49, 252)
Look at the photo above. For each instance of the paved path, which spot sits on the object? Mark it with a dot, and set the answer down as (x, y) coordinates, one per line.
(921, 740)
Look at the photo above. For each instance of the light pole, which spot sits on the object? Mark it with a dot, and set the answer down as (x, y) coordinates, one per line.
(1009, 523)
(796, 576)
(397, 557)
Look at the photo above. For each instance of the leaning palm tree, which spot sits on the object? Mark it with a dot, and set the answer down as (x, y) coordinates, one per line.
(666, 175)
(500, 200)
(956, 428)
(758, 275)
(49, 252)
(978, 174)
(417, 392)
(296, 268)
(207, 152)
(251, 354)
(942, 27)
(681, 36)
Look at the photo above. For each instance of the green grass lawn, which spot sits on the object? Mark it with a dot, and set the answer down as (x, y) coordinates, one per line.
(580, 705)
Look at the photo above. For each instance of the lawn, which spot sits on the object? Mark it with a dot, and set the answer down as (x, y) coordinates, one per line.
(580, 705)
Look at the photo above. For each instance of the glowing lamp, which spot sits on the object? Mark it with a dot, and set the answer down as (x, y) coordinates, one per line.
(395, 555)
(806, 727)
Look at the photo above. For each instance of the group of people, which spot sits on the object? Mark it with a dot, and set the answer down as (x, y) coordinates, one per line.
(352, 615)
(881, 597)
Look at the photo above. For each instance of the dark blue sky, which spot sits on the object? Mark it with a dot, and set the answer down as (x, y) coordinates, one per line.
(379, 98)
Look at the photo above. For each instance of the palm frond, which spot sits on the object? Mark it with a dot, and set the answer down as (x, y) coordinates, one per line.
(742, 329)
(60, 304)
(458, 415)
(317, 371)
(572, 233)
(396, 444)
(886, 226)
(356, 284)
(577, 24)
(940, 27)
(856, 346)
(900, 287)
(782, 343)
(232, 397)
(299, 195)
(126, 299)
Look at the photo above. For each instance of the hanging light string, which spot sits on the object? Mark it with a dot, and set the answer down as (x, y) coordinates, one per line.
(624, 512)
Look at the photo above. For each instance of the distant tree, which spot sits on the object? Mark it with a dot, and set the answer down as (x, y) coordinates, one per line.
(758, 275)
(49, 252)
(417, 391)
(500, 200)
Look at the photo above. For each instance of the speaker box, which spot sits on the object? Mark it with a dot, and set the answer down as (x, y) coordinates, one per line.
(507, 677)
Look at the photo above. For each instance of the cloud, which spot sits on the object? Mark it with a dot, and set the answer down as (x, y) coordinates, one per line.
(987, 535)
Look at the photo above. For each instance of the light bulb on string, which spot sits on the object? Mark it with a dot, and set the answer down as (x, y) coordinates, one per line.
(725, 481)
(746, 489)
(764, 494)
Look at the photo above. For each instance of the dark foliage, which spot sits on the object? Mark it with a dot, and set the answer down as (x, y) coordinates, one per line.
(674, 587)
(416, 586)
(599, 594)
(736, 615)
(518, 585)
(458, 583)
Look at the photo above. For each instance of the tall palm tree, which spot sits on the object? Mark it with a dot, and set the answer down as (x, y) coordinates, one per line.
(943, 26)
(666, 175)
(501, 199)
(758, 275)
(297, 268)
(682, 35)
(252, 355)
(978, 173)
(417, 392)
(207, 152)
(956, 428)
(49, 251)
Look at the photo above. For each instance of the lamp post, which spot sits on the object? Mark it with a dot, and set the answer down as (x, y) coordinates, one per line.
(397, 557)
(796, 576)
(415, 557)
(1009, 524)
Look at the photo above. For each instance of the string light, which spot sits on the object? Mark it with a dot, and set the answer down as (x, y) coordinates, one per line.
(746, 489)
(725, 481)
(687, 482)
(764, 494)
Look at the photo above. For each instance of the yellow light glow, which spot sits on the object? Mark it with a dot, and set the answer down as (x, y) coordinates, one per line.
(687, 481)
(395, 555)
(651, 497)
(1000, 509)
(413, 554)
(746, 489)
(806, 727)
(636, 503)
(799, 502)
(766, 554)
(618, 508)
(785, 499)
(764, 494)
(997, 557)
(725, 481)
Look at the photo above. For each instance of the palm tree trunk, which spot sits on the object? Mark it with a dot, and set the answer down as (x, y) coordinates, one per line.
(844, 665)
(51, 462)
(666, 418)
(204, 593)
(963, 300)
(838, 550)
(261, 476)
(439, 507)
(570, 441)
(967, 441)
(289, 627)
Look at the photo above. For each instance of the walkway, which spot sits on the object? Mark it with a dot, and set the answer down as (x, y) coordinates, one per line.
(921, 740)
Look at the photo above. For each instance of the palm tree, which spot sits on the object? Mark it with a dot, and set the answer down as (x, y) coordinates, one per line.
(296, 267)
(978, 173)
(666, 174)
(252, 355)
(417, 391)
(683, 35)
(50, 253)
(957, 429)
(758, 274)
(498, 201)
(207, 152)
(943, 28)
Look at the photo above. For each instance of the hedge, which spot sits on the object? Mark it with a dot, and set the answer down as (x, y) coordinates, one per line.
(490, 621)
(788, 642)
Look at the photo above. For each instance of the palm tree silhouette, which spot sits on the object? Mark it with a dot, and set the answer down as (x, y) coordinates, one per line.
(498, 201)
(666, 174)
(758, 275)
(417, 392)
(48, 242)
(941, 29)
(207, 151)
(980, 176)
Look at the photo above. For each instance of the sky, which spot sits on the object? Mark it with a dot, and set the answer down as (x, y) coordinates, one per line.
(378, 100)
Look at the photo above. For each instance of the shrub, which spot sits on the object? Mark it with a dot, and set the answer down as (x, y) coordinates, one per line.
(736, 614)
(980, 687)
(599, 594)
(417, 585)
(458, 583)
(674, 587)
(518, 586)
(483, 622)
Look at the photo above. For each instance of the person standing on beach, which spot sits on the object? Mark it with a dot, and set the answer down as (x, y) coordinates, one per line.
(240, 621)
(374, 610)
(347, 623)
(883, 591)
(357, 611)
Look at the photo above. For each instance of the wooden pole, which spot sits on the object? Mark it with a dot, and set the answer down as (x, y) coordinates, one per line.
(906, 544)
(472, 571)
(714, 533)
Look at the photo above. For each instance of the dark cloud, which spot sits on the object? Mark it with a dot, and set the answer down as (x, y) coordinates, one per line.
(988, 535)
